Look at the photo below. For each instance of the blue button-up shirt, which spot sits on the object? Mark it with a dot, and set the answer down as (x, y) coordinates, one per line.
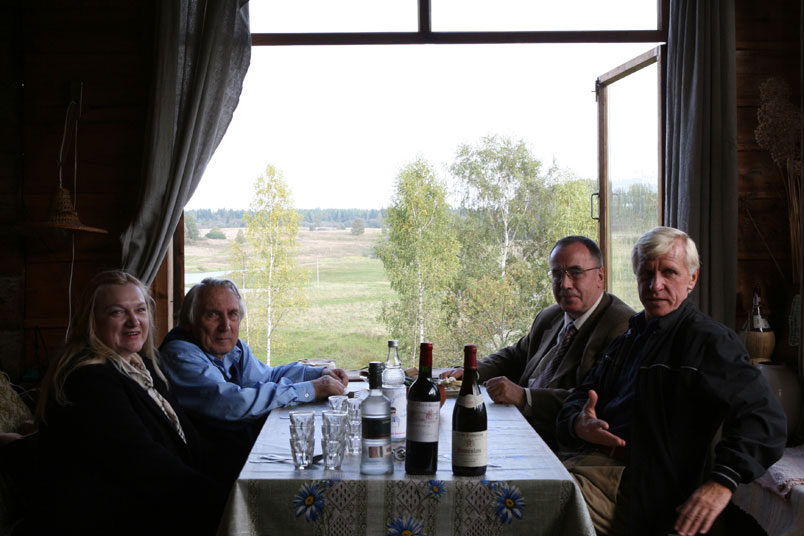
(208, 385)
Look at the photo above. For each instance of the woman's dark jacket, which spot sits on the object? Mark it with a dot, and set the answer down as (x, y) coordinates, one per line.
(112, 462)
(694, 376)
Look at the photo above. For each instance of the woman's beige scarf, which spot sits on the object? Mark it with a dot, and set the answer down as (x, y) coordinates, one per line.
(136, 370)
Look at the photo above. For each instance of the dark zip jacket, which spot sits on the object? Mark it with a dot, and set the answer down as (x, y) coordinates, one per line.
(694, 376)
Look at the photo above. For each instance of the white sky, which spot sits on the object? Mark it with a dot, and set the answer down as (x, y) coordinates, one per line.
(340, 122)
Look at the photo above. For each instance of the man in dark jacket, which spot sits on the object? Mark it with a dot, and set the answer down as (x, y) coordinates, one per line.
(538, 372)
(647, 416)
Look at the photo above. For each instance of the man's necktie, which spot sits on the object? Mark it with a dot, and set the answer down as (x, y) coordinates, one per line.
(547, 373)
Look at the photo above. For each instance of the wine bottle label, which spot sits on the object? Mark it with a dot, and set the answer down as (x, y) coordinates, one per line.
(470, 401)
(399, 410)
(469, 449)
(377, 451)
(423, 421)
(761, 322)
(376, 428)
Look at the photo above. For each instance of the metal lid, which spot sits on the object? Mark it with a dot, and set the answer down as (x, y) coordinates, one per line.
(375, 374)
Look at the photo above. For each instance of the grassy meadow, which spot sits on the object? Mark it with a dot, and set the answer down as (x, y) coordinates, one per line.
(345, 289)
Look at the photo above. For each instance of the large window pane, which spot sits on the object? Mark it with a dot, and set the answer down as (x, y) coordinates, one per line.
(341, 122)
(323, 16)
(633, 172)
(531, 15)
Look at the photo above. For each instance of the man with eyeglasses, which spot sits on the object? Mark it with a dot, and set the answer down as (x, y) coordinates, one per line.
(565, 341)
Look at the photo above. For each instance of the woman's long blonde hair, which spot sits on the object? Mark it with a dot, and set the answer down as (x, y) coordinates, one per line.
(83, 345)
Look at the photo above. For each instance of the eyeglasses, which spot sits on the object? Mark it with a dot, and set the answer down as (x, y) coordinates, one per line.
(573, 273)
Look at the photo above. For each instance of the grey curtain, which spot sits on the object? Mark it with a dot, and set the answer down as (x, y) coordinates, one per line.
(701, 145)
(203, 52)
(801, 201)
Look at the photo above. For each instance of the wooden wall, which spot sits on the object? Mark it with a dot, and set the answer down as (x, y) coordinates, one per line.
(768, 44)
(46, 44)
(107, 46)
(12, 267)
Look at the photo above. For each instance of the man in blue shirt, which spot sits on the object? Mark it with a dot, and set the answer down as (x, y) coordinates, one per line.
(218, 381)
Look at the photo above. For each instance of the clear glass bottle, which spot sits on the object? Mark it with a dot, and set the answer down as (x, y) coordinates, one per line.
(376, 458)
(393, 375)
(393, 387)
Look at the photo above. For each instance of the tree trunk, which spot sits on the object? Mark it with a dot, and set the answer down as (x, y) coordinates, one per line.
(269, 307)
(420, 316)
(506, 243)
(243, 296)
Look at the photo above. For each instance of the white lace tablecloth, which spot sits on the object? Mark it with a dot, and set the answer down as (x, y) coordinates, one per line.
(776, 499)
(526, 490)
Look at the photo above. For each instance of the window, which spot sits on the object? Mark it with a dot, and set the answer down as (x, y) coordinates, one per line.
(308, 78)
(630, 161)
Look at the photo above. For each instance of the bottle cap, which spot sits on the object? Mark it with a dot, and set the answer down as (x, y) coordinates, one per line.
(426, 354)
(375, 374)
(470, 356)
(393, 343)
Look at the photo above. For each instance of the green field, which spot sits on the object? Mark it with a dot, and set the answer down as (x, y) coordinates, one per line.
(344, 296)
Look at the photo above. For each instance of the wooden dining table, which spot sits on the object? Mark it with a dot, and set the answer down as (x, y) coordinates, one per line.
(525, 490)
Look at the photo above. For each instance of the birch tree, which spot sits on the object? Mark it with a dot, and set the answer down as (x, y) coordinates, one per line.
(420, 256)
(500, 184)
(272, 227)
(513, 211)
(240, 262)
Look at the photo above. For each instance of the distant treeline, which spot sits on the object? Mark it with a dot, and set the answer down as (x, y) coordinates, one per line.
(316, 217)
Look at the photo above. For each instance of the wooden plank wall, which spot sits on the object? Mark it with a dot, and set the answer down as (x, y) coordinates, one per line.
(768, 44)
(108, 47)
(12, 266)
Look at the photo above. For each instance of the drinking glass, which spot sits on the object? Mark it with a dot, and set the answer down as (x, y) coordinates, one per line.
(333, 437)
(354, 430)
(302, 438)
(338, 402)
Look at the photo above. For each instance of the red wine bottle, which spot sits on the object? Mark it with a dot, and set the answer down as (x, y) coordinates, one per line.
(424, 405)
(469, 422)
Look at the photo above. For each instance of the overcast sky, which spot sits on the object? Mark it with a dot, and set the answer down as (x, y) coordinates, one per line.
(340, 122)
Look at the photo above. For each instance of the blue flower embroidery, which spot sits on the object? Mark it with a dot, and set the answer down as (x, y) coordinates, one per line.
(492, 485)
(309, 501)
(509, 503)
(406, 526)
(436, 488)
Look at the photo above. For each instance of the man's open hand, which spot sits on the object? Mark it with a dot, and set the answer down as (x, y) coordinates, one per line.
(593, 430)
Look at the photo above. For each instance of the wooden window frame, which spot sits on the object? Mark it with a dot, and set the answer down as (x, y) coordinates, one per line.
(426, 36)
(655, 55)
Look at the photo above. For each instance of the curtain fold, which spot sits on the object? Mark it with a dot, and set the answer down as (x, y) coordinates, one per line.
(203, 51)
(701, 146)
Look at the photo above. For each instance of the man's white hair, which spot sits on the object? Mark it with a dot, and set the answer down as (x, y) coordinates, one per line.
(658, 241)
(192, 301)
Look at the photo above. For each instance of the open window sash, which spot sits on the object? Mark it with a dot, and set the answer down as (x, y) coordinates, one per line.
(630, 164)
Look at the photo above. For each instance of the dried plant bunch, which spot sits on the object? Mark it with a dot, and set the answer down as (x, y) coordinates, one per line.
(779, 129)
(779, 132)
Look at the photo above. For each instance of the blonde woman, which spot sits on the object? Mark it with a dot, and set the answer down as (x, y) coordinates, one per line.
(118, 456)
